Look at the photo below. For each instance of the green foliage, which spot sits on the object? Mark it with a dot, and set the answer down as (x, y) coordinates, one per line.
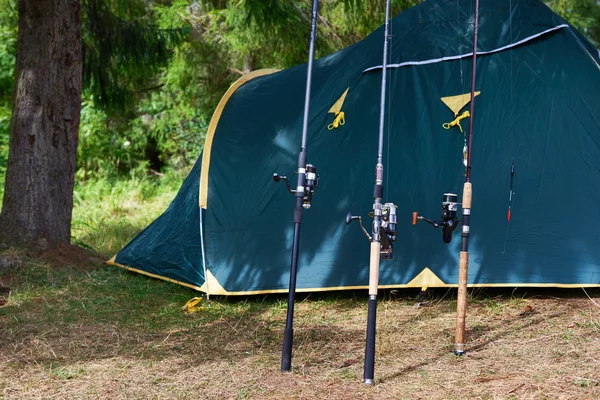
(122, 50)
(8, 47)
(582, 14)
(8, 50)
(4, 136)
(177, 128)
(353, 20)
(109, 212)
(106, 146)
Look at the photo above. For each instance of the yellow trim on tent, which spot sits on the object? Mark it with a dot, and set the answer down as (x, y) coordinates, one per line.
(139, 271)
(212, 127)
(217, 289)
(405, 286)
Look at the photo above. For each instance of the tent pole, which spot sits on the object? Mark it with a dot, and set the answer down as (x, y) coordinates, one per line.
(203, 256)
(307, 182)
(461, 307)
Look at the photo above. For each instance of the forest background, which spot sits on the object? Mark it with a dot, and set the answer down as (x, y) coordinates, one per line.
(140, 133)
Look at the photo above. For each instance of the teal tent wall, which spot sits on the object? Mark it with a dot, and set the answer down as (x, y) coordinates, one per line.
(540, 84)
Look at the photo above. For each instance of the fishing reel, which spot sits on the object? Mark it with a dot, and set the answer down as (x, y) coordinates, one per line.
(387, 230)
(449, 222)
(311, 182)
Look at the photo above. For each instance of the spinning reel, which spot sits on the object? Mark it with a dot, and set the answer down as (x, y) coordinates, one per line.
(306, 183)
(449, 222)
(387, 230)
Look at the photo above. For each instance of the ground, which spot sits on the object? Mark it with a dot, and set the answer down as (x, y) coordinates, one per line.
(73, 328)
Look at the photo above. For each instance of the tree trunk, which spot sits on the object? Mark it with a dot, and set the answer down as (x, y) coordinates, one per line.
(38, 195)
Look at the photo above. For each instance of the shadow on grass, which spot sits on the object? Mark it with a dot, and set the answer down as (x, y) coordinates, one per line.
(66, 316)
(62, 316)
(515, 324)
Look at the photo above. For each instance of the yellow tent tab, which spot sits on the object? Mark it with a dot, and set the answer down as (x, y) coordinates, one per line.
(337, 106)
(456, 103)
(426, 278)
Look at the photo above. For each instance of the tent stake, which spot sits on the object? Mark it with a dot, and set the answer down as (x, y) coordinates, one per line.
(463, 272)
(308, 181)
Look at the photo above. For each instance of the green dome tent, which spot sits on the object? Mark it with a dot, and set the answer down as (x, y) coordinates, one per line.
(539, 84)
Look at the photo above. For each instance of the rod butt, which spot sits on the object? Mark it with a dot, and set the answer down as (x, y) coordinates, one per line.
(369, 368)
(459, 349)
(286, 355)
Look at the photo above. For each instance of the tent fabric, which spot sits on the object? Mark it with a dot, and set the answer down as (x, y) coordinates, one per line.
(538, 107)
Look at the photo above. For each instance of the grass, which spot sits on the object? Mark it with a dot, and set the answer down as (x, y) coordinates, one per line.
(107, 214)
(102, 332)
(74, 328)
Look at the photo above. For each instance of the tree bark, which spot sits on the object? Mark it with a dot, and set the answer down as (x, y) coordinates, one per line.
(38, 196)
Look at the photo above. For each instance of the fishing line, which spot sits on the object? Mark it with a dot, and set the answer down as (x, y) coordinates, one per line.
(466, 149)
(462, 81)
(510, 52)
(389, 104)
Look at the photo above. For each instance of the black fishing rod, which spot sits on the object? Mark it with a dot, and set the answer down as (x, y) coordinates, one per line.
(308, 181)
(449, 210)
(383, 234)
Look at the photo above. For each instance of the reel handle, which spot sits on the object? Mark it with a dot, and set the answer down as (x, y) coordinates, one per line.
(416, 217)
(277, 178)
(350, 218)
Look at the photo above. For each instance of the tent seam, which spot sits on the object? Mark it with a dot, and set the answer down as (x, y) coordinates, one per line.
(460, 56)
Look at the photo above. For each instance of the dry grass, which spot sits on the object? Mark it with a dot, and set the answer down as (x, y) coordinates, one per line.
(107, 334)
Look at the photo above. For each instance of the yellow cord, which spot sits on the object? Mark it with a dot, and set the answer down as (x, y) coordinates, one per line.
(448, 125)
(338, 121)
(190, 306)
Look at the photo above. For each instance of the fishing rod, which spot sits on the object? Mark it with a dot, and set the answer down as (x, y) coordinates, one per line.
(467, 197)
(383, 234)
(308, 181)
(449, 210)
